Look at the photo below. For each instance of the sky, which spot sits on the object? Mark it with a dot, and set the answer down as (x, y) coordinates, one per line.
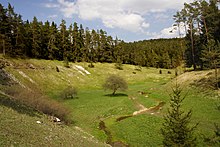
(129, 20)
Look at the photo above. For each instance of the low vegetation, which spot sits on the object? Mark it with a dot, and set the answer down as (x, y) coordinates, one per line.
(40, 102)
(21, 125)
(69, 93)
(147, 88)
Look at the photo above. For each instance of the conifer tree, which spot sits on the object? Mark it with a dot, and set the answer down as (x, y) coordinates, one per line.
(95, 46)
(27, 39)
(45, 37)
(4, 30)
(87, 50)
(52, 44)
(211, 57)
(20, 37)
(176, 129)
(35, 28)
(76, 42)
(64, 43)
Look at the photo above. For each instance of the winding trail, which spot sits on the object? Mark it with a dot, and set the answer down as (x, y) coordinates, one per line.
(142, 109)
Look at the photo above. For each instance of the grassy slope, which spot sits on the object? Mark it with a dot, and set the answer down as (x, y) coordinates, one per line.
(93, 105)
(18, 127)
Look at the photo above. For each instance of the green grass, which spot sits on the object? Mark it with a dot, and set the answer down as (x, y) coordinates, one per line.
(18, 127)
(93, 104)
(142, 130)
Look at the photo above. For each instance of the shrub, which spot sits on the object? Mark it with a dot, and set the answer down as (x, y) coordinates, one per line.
(119, 66)
(114, 82)
(66, 63)
(91, 65)
(69, 93)
(138, 68)
(41, 103)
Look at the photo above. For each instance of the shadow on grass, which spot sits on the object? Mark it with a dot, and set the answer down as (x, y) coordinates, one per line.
(67, 99)
(17, 106)
(116, 95)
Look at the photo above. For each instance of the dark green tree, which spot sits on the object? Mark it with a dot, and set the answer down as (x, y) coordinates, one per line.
(82, 42)
(202, 18)
(95, 46)
(35, 28)
(53, 43)
(76, 43)
(20, 45)
(64, 42)
(211, 57)
(4, 31)
(88, 47)
(176, 129)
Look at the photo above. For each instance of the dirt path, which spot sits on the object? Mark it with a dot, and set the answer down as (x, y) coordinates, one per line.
(150, 110)
(142, 109)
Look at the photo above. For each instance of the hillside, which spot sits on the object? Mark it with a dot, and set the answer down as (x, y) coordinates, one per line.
(130, 118)
(22, 126)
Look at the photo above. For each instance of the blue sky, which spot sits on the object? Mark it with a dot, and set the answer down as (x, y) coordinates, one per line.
(129, 20)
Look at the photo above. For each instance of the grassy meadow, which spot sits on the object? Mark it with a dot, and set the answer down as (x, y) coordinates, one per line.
(92, 105)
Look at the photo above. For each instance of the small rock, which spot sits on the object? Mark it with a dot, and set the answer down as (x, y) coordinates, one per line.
(38, 122)
(31, 66)
(57, 119)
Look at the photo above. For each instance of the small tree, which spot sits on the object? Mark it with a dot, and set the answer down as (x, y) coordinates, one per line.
(69, 93)
(176, 130)
(114, 82)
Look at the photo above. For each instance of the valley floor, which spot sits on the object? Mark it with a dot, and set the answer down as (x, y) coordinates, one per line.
(131, 118)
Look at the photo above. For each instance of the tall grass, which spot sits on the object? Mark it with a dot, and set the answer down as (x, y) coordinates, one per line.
(40, 102)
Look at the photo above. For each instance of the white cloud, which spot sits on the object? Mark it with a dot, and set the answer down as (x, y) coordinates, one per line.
(161, 16)
(145, 25)
(51, 5)
(68, 8)
(131, 22)
(172, 32)
(125, 14)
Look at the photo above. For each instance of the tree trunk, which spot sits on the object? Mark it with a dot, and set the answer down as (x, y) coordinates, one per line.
(114, 92)
(3, 47)
(206, 29)
(216, 77)
(192, 45)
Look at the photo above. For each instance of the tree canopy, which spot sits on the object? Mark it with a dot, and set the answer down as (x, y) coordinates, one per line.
(114, 83)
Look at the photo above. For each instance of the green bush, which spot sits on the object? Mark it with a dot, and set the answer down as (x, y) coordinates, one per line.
(119, 66)
(69, 93)
(66, 63)
(91, 65)
(138, 68)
